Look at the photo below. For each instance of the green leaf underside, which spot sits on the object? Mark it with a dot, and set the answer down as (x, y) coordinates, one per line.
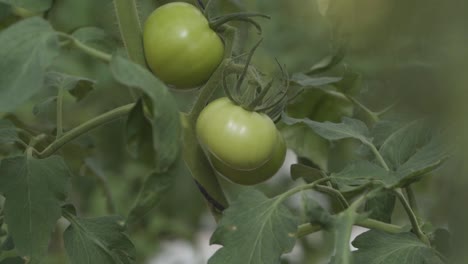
(165, 121)
(254, 230)
(376, 247)
(38, 187)
(98, 240)
(28, 48)
(7, 132)
(30, 5)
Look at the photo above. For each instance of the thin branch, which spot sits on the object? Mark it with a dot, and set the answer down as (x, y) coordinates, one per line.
(84, 128)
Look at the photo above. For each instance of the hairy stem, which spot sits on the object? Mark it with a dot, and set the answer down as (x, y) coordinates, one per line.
(84, 128)
(412, 199)
(335, 193)
(306, 229)
(413, 219)
(130, 29)
(60, 112)
(378, 156)
(87, 49)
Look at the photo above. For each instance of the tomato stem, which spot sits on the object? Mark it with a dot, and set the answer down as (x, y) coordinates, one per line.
(84, 128)
(87, 49)
(412, 217)
(59, 117)
(306, 229)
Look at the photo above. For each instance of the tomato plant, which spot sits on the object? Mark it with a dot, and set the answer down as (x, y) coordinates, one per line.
(257, 175)
(101, 161)
(242, 139)
(180, 47)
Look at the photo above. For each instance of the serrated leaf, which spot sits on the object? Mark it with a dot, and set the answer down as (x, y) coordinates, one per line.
(38, 187)
(8, 132)
(381, 206)
(153, 190)
(312, 81)
(28, 48)
(98, 240)
(403, 143)
(77, 86)
(306, 144)
(30, 5)
(44, 106)
(165, 115)
(348, 128)
(253, 230)
(377, 247)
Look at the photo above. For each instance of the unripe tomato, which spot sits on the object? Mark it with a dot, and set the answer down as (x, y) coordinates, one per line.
(180, 47)
(260, 174)
(242, 139)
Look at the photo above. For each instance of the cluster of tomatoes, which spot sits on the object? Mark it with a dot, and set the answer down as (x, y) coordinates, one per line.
(183, 51)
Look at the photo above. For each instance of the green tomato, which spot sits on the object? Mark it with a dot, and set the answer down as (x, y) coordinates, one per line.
(242, 139)
(260, 174)
(180, 47)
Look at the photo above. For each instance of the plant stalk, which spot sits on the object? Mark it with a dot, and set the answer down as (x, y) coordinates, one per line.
(413, 219)
(84, 128)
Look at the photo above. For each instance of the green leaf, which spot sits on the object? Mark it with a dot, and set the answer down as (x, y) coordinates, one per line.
(153, 190)
(308, 81)
(349, 128)
(95, 37)
(381, 206)
(28, 48)
(306, 144)
(45, 106)
(329, 61)
(139, 134)
(359, 173)
(8, 132)
(98, 240)
(426, 159)
(77, 86)
(30, 5)
(376, 247)
(165, 119)
(38, 187)
(254, 229)
(309, 174)
(403, 143)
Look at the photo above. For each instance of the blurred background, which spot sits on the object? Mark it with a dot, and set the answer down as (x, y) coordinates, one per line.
(411, 52)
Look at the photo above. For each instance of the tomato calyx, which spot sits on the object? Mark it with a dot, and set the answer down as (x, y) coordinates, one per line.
(252, 92)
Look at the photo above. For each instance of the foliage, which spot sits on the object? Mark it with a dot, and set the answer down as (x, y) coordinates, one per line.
(100, 159)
